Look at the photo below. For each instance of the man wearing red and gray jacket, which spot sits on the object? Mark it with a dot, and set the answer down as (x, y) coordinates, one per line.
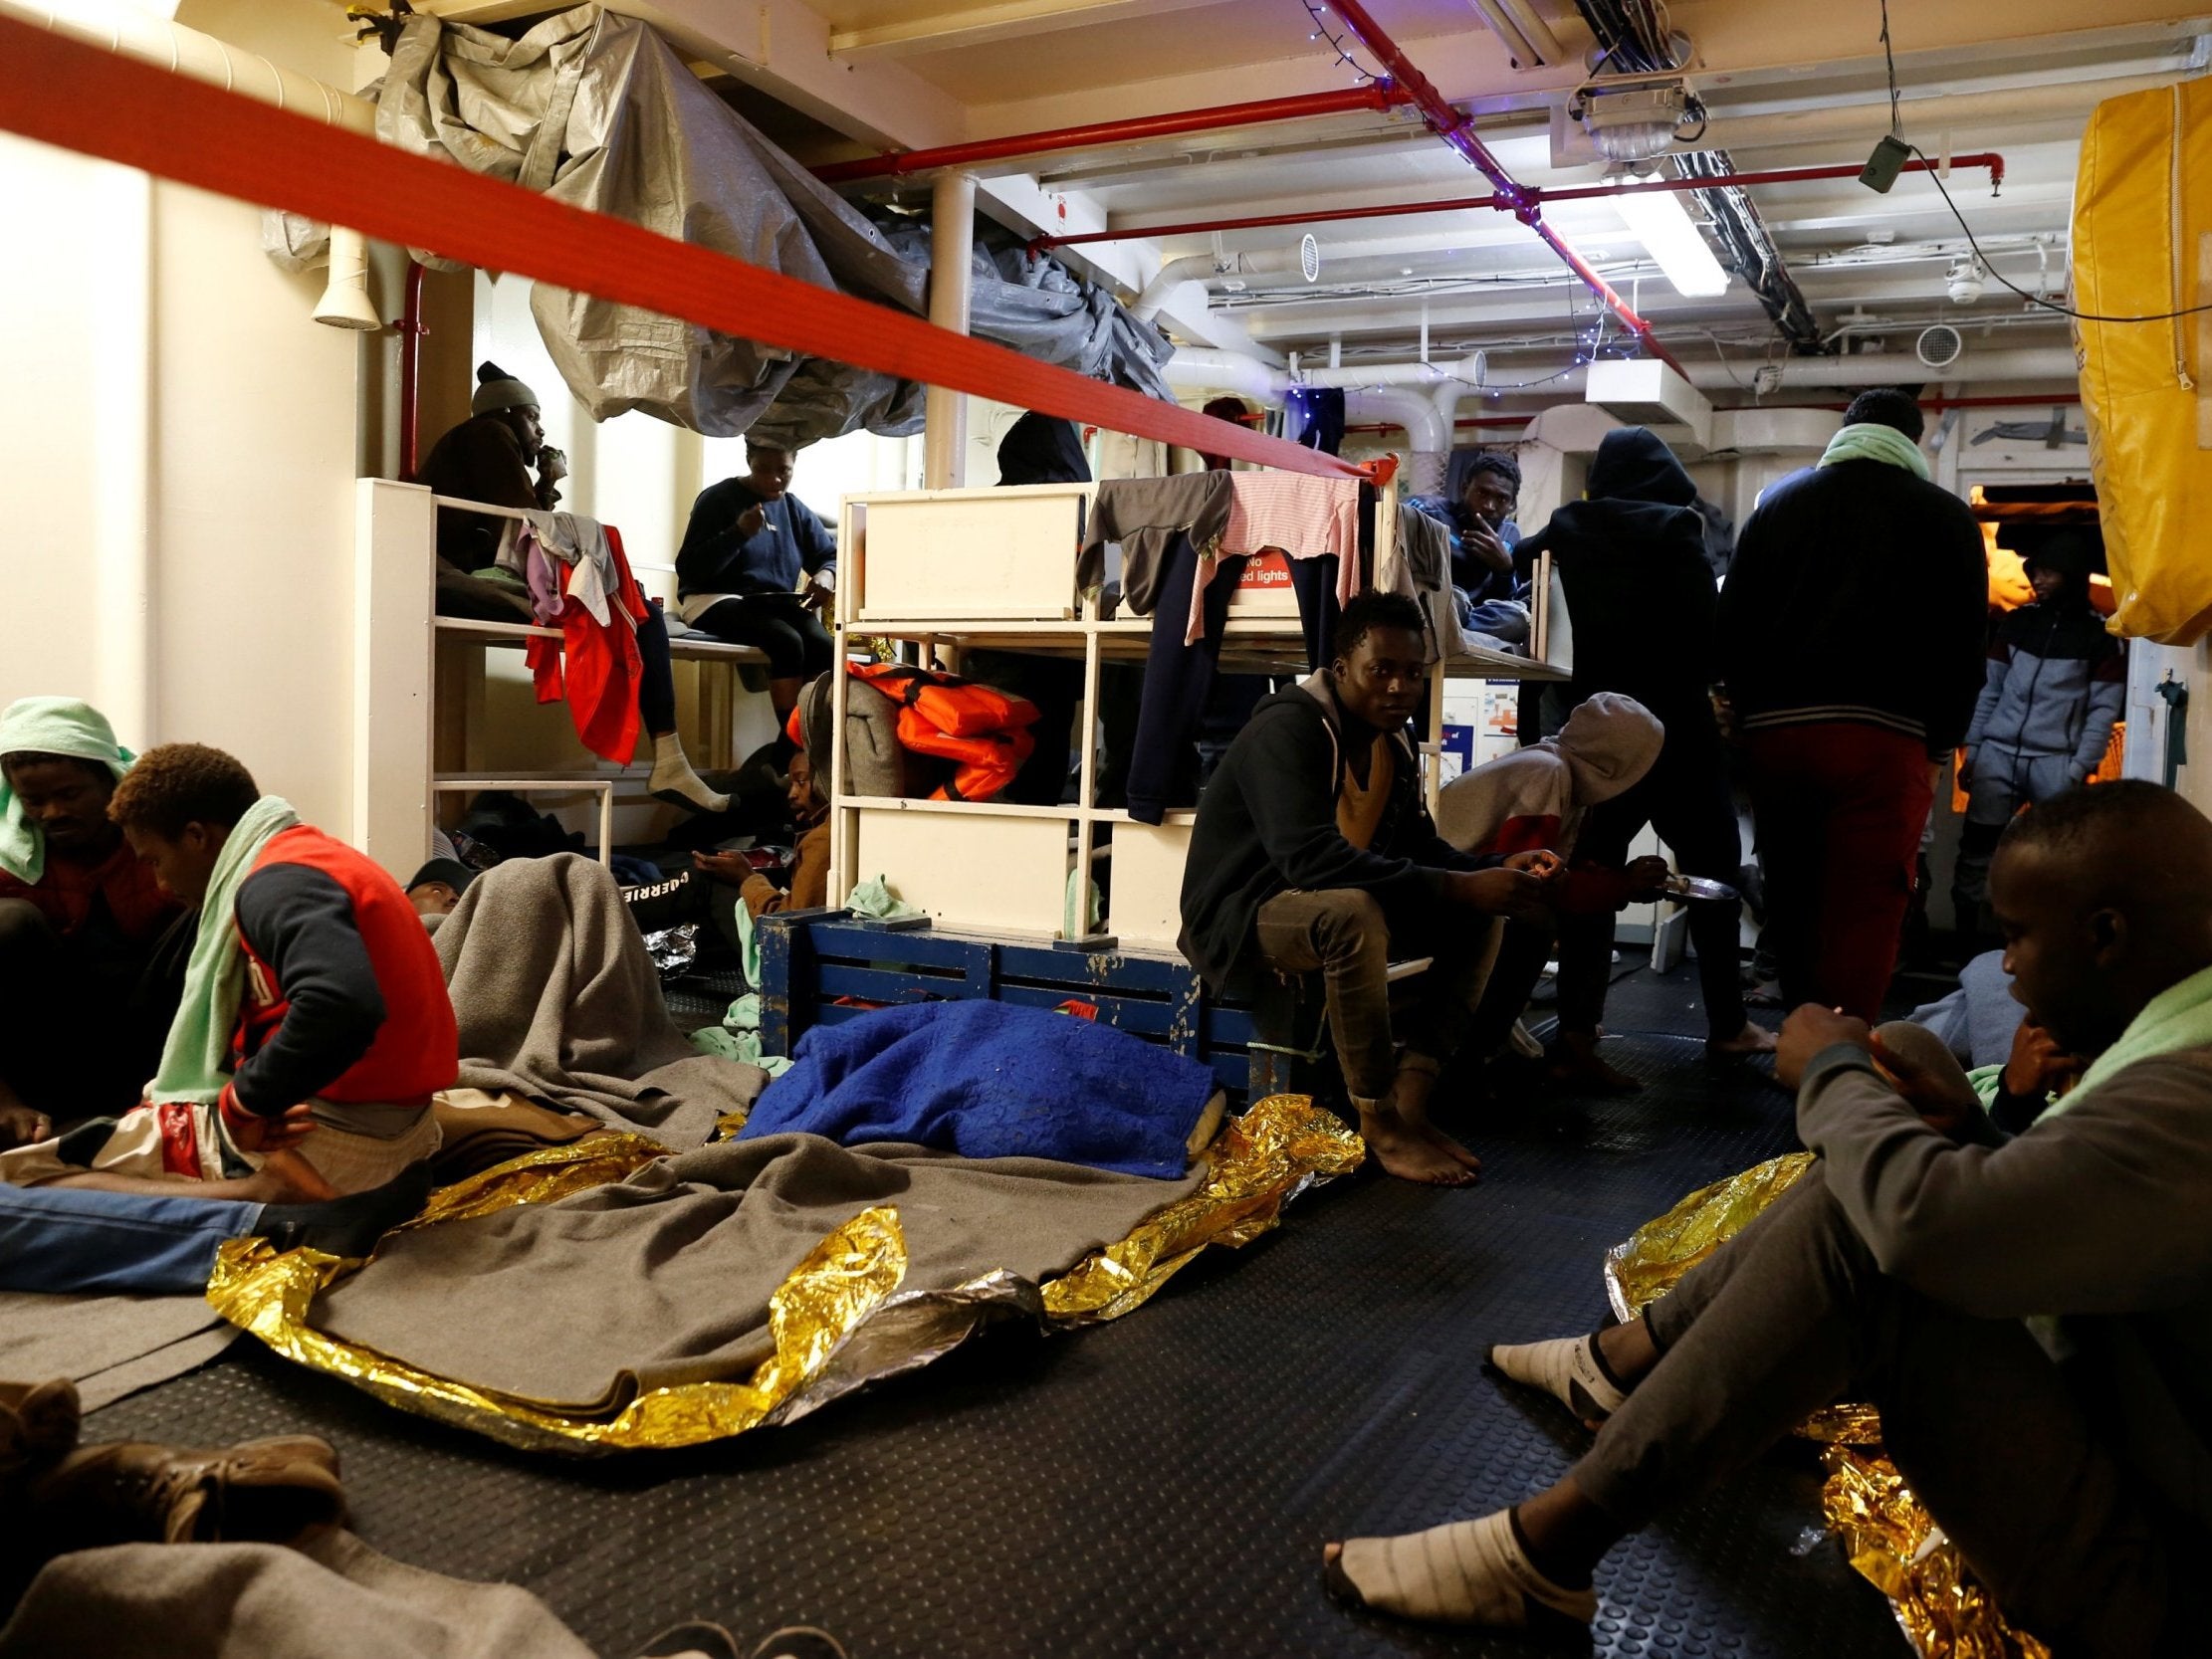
(315, 1025)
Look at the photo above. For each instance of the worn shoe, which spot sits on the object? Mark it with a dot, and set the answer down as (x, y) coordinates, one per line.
(351, 1226)
(132, 1492)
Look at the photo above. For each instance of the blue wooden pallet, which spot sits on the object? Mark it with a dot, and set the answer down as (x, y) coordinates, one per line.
(816, 966)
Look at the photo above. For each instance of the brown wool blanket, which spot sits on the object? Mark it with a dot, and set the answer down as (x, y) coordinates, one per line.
(559, 1002)
(665, 1278)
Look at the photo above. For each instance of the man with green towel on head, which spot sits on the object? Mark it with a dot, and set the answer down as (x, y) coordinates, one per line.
(314, 1026)
(85, 927)
(2032, 1315)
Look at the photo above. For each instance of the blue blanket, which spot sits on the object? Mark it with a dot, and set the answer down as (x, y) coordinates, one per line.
(990, 1080)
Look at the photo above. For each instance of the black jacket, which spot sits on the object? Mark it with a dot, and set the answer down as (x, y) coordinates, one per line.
(1639, 592)
(1859, 592)
(1267, 823)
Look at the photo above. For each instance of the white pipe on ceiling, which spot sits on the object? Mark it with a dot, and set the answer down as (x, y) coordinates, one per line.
(1199, 370)
(136, 33)
(1197, 267)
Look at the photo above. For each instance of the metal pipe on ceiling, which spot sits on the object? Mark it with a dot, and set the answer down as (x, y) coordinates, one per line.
(1989, 160)
(1374, 95)
(1457, 128)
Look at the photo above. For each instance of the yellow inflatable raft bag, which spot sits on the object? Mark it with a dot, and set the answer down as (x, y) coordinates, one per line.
(2143, 247)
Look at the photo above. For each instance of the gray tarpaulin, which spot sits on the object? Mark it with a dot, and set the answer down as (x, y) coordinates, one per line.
(596, 109)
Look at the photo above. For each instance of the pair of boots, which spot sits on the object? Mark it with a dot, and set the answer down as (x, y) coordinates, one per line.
(57, 1496)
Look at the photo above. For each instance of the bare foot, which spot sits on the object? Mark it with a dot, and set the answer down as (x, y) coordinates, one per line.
(287, 1178)
(1455, 1152)
(1752, 1039)
(1412, 1155)
(1580, 1068)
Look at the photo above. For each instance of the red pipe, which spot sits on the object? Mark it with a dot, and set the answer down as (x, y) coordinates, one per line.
(1399, 210)
(1375, 95)
(1457, 128)
(411, 331)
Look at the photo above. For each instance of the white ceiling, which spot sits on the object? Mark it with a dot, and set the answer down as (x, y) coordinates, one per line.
(1788, 84)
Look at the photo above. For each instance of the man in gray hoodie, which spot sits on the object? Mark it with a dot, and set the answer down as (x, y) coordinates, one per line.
(2032, 1316)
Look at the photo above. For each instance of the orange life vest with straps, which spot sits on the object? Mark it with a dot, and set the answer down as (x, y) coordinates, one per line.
(982, 730)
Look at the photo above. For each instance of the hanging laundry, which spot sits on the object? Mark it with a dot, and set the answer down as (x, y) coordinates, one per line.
(595, 663)
(1144, 516)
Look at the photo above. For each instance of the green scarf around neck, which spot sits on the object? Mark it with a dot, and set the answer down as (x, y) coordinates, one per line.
(1871, 441)
(195, 1057)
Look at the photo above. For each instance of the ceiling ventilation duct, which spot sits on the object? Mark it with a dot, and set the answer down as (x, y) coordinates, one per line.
(1939, 347)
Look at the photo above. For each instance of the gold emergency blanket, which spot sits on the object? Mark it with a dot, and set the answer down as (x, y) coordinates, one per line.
(838, 1321)
(1890, 1537)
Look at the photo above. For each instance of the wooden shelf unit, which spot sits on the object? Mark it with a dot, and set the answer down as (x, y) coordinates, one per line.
(996, 569)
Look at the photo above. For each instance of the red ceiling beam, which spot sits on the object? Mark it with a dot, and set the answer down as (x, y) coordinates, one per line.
(1374, 94)
(1994, 162)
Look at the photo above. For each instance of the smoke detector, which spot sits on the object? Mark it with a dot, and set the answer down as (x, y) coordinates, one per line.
(1939, 347)
(1767, 379)
(1964, 280)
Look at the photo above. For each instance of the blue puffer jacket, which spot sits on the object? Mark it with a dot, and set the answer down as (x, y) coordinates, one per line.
(2057, 681)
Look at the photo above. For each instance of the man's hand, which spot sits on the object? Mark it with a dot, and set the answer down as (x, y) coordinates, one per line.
(750, 520)
(1646, 875)
(722, 867)
(1546, 866)
(1502, 891)
(1944, 1099)
(1808, 1031)
(819, 595)
(256, 1133)
(1966, 770)
(23, 1126)
(2038, 1065)
(552, 465)
(1724, 713)
(1487, 545)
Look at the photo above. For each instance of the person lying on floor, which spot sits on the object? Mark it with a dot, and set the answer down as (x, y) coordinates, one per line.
(315, 1024)
(2032, 1316)
(86, 931)
(1537, 797)
(1314, 853)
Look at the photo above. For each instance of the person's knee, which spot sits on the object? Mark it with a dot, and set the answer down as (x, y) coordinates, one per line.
(24, 928)
(1350, 926)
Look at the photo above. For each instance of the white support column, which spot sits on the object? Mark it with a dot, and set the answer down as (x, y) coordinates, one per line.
(395, 563)
(951, 248)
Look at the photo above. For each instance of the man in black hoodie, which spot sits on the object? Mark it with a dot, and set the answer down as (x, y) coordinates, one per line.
(1850, 639)
(1314, 853)
(1632, 562)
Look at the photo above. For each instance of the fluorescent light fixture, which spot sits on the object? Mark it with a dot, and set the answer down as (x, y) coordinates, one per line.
(1664, 226)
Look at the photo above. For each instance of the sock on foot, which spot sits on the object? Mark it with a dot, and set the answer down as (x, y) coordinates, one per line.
(1462, 1573)
(673, 778)
(1568, 1368)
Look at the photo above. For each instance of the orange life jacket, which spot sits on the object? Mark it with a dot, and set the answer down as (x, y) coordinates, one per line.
(982, 730)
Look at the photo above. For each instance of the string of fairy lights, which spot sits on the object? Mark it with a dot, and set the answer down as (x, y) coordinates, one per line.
(1341, 45)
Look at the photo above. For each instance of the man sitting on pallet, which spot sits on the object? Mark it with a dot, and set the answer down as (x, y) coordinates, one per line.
(1314, 853)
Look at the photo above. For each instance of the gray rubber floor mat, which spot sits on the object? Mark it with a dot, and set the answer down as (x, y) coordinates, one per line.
(1160, 1485)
